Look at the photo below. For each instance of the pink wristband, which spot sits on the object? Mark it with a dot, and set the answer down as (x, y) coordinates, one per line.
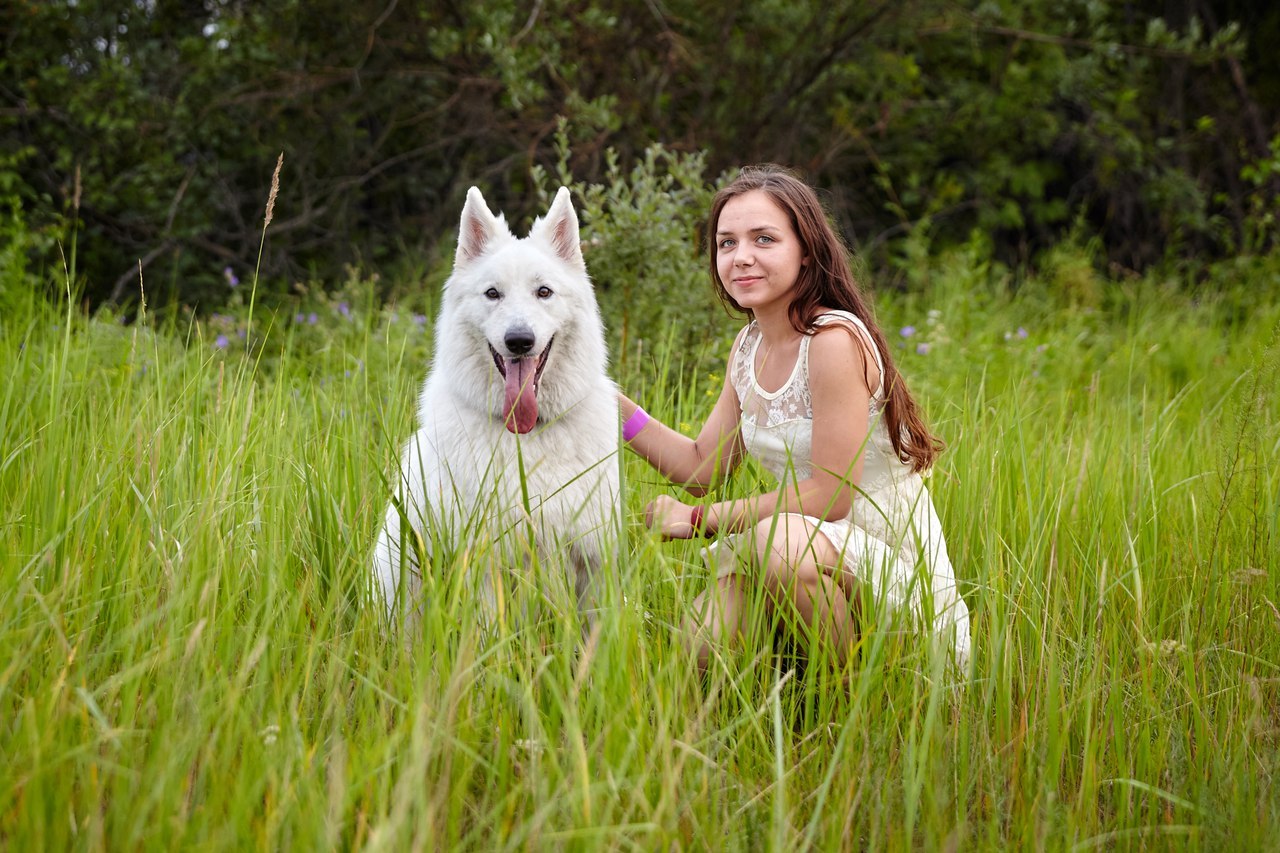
(639, 418)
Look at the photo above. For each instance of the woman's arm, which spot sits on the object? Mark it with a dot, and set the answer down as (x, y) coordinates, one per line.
(693, 463)
(841, 401)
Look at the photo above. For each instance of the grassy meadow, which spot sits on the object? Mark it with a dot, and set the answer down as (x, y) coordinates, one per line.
(186, 661)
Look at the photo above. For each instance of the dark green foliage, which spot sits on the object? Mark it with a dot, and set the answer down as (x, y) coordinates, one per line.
(154, 127)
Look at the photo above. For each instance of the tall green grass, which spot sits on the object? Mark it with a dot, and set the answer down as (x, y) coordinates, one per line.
(185, 660)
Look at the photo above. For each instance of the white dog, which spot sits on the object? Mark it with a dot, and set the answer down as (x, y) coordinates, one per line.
(517, 442)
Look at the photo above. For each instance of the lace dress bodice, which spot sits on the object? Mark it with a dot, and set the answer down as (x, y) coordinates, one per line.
(777, 426)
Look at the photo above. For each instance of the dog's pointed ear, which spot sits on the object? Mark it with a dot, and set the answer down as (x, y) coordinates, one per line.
(479, 228)
(559, 228)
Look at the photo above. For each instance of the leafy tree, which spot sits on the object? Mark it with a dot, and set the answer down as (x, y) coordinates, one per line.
(153, 128)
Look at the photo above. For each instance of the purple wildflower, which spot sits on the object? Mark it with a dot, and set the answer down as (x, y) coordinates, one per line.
(344, 309)
(1021, 333)
(420, 319)
(907, 331)
(312, 319)
(221, 342)
(230, 275)
(922, 348)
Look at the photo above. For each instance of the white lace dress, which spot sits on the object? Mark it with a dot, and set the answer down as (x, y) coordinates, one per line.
(892, 539)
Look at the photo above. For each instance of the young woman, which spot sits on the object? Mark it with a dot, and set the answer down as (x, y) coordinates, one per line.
(812, 393)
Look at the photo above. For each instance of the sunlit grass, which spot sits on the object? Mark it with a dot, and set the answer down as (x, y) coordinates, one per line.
(185, 661)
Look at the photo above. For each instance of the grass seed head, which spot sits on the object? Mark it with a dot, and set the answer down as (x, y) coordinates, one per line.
(275, 190)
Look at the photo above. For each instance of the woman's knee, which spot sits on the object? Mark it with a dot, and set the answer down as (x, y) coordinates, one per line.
(766, 540)
(784, 551)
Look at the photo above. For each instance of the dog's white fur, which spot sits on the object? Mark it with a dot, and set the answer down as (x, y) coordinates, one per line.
(466, 472)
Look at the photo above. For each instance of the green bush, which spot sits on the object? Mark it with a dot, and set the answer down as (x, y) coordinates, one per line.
(643, 239)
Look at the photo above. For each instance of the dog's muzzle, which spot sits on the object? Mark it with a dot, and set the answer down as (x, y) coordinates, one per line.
(521, 375)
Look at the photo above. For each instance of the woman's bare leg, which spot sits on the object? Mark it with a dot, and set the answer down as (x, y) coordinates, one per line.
(802, 572)
(800, 566)
(719, 618)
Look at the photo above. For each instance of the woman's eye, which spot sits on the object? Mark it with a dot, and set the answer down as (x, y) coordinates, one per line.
(726, 244)
(764, 238)
(544, 292)
(492, 294)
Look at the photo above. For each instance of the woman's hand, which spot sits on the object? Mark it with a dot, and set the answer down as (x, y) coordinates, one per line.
(670, 517)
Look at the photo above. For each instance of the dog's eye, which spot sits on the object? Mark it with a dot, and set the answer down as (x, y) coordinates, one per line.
(492, 294)
(544, 292)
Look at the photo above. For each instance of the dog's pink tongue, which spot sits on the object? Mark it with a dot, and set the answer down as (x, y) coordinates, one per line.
(520, 408)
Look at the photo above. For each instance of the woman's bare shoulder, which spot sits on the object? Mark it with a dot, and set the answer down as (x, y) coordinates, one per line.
(842, 346)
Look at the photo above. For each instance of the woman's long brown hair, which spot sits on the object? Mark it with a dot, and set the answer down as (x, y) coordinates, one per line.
(827, 282)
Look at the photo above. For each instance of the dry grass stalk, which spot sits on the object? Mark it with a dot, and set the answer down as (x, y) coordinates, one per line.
(275, 189)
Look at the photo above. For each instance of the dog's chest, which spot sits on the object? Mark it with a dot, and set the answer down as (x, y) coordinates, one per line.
(551, 466)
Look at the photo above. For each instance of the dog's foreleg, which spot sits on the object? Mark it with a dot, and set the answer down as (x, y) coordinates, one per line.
(397, 567)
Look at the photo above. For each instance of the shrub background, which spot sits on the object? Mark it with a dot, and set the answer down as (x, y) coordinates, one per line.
(151, 130)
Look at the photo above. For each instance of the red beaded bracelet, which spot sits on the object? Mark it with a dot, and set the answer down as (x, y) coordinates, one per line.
(695, 521)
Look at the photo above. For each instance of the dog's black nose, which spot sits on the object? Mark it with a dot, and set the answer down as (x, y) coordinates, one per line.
(519, 341)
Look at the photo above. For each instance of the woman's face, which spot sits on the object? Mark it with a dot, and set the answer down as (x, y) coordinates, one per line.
(758, 254)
